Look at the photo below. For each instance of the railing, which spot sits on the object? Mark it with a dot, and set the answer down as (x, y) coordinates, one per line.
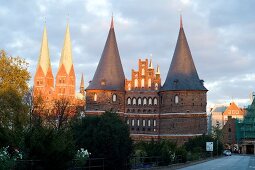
(90, 164)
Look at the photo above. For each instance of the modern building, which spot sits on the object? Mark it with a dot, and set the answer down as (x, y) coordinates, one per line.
(176, 110)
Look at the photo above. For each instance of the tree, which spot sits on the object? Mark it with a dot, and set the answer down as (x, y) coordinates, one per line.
(14, 74)
(105, 136)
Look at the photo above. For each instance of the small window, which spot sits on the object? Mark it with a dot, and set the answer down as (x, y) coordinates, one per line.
(155, 101)
(95, 97)
(129, 86)
(129, 101)
(149, 83)
(156, 86)
(143, 71)
(143, 122)
(139, 101)
(142, 83)
(144, 101)
(176, 99)
(149, 122)
(114, 97)
(127, 121)
(138, 122)
(133, 122)
(136, 83)
(134, 101)
(154, 123)
(150, 101)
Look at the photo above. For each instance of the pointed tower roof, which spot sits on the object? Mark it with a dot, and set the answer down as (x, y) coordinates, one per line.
(82, 81)
(66, 55)
(150, 64)
(44, 57)
(182, 74)
(109, 74)
(158, 71)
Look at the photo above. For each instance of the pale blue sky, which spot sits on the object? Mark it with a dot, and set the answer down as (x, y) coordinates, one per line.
(220, 33)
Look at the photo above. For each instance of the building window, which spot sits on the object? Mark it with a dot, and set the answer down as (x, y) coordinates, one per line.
(129, 101)
(154, 123)
(127, 121)
(155, 101)
(138, 122)
(129, 86)
(229, 129)
(114, 97)
(156, 86)
(139, 101)
(142, 83)
(133, 122)
(144, 101)
(143, 122)
(150, 101)
(176, 99)
(143, 71)
(149, 83)
(136, 83)
(95, 97)
(149, 122)
(134, 101)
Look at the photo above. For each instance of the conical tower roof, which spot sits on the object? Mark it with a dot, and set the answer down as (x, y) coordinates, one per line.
(182, 74)
(82, 81)
(66, 54)
(44, 57)
(109, 74)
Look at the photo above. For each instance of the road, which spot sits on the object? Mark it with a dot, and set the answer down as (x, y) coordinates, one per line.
(234, 162)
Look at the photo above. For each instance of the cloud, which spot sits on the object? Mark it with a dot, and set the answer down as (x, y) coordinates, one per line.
(220, 35)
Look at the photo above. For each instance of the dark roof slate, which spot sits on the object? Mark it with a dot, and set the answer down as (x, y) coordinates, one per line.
(109, 74)
(182, 74)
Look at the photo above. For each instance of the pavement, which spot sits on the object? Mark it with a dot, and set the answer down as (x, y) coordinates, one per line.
(234, 162)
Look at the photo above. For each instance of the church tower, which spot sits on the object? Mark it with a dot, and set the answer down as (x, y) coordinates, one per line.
(106, 91)
(44, 80)
(65, 79)
(183, 95)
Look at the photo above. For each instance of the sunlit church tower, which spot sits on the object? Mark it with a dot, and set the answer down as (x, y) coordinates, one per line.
(183, 96)
(106, 91)
(44, 80)
(65, 78)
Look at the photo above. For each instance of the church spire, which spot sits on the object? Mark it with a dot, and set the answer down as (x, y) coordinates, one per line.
(44, 57)
(158, 71)
(109, 74)
(82, 85)
(66, 55)
(182, 74)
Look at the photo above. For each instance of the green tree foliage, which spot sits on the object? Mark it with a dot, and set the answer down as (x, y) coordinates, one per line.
(14, 74)
(53, 147)
(13, 111)
(105, 136)
(197, 146)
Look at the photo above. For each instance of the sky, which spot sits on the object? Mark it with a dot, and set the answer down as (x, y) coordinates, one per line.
(220, 34)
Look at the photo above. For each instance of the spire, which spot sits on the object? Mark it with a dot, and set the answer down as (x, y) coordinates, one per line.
(66, 55)
(181, 26)
(109, 74)
(82, 81)
(182, 74)
(112, 23)
(44, 57)
(158, 71)
(150, 65)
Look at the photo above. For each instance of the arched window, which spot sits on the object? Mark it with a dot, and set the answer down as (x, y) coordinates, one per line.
(139, 101)
(144, 101)
(143, 122)
(156, 86)
(136, 83)
(143, 71)
(134, 101)
(155, 101)
(150, 101)
(129, 101)
(149, 83)
(176, 99)
(138, 122)
(95, 97)
(142, 83)
(114, 97)
(149, 122)
(129, 86)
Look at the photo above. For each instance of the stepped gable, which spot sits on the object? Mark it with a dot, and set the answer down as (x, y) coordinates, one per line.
(109, 74)
(182, 74)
